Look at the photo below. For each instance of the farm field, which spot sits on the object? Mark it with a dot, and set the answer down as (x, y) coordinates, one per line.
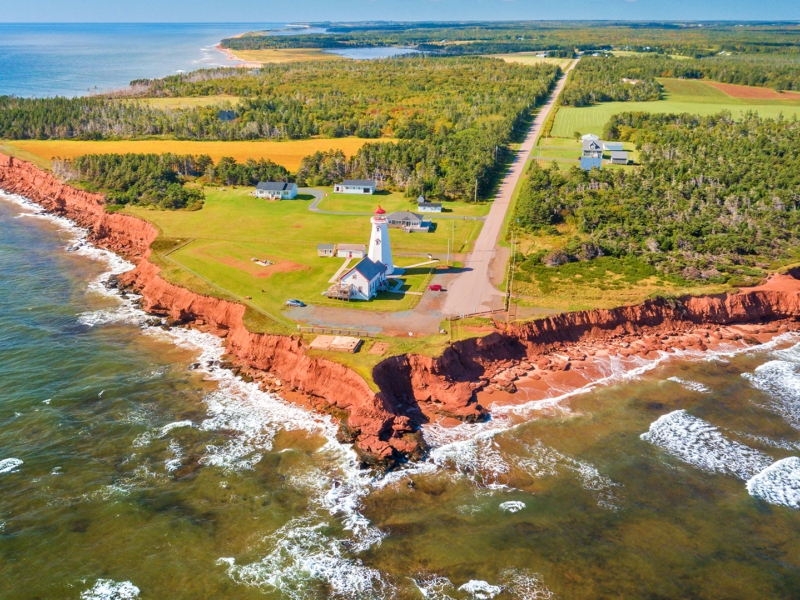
(190, 101)
(681, 96)
(289, 154)
(234, 227)
(285, 55)
(531, 58)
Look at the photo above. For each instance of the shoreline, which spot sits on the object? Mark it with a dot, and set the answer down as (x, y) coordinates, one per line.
(447, 391)
(229, 55)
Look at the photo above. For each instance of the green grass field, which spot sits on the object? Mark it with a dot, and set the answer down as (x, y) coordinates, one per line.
(190, 102)
(234, 227)
(680, 96)
(394, 201)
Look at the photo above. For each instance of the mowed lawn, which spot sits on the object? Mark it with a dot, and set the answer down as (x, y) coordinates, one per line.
(234, 227)
(392, 202)
(289, 153)
(681, 96)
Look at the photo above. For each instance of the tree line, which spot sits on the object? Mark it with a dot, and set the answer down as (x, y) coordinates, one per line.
(161, 180)
(563, 38)
(633, 78)
(714, 197)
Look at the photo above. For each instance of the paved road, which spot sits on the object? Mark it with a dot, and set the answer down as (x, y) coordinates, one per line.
(320, 196)
(472, 291)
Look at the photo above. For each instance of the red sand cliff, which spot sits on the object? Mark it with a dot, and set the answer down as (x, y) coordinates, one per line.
(413, 389)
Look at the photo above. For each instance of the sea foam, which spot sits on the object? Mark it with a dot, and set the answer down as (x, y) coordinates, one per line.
(781, 380)
(700, 444)
(9, 465)
(779, 483)
(106, 589)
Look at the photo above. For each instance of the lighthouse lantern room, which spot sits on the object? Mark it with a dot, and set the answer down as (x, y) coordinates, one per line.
(380, 249)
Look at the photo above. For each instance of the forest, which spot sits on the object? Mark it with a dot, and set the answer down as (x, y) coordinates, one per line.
(563, 38)
(713, 198)
(160, 179)
(633, 78)
(453, 118)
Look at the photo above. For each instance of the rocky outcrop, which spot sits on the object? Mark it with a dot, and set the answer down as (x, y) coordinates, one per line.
(413, 389)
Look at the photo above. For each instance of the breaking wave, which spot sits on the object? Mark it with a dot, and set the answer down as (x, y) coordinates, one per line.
(9, 465)
(781, 380)
(106, 589)
(779, 483)
(701, 444)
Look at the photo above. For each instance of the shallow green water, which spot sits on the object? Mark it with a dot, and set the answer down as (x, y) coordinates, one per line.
(143, 479)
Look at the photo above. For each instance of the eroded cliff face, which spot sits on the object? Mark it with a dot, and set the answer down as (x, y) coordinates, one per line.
(372, 422)
(413, 389)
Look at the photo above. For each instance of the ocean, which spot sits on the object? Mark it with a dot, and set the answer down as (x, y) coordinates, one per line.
(133, 465)
(44, 59)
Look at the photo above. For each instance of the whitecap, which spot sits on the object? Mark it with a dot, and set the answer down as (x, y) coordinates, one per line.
(693, 386)
(107, 589)
(512, 506)
(9, 465)
(781, 380)
(176, 425)
(701, 444)
(480, 589)
(779, 483)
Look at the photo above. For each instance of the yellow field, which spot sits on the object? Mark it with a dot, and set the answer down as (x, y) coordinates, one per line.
(289, 154)
(531, 58)
(189, 102)
(285, 55)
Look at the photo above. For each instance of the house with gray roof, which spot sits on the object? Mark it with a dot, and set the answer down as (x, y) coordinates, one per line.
(408, 221)
(592, 149)
(619, 157)
(356, 186)
(365, 280)
(326, 250)
(276, 190)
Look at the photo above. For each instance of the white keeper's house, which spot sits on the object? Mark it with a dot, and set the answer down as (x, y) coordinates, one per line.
(276, 190)
(356, 186)
(364, 280)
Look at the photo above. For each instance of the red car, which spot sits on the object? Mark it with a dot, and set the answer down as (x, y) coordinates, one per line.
(435, 287)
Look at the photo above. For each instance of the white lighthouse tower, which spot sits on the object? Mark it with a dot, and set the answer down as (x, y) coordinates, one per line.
(380, 249)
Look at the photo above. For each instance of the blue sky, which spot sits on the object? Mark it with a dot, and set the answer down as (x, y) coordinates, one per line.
(339, 10)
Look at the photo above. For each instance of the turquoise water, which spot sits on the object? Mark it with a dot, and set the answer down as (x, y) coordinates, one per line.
(73, 59)
(125, 472)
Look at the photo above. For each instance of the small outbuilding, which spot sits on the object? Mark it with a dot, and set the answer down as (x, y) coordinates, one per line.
(587, 164)
(356, 186)
(589, 137)
(365, 280)
(351, 251)
(619, 157)
(279, 190)
(226, 115)
(326, 250)
(612, 146)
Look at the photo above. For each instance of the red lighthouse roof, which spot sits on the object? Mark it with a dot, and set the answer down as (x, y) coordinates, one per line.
(380, 211)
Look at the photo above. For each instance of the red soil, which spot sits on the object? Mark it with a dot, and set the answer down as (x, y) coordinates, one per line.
(753, 93)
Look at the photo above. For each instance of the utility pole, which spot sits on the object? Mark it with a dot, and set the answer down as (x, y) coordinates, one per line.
(448, 252)
(476, 189)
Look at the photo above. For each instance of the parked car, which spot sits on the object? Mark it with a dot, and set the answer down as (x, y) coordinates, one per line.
(295, 303)
(435, 287)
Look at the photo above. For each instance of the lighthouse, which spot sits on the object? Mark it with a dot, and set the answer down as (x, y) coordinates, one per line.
(380, 249)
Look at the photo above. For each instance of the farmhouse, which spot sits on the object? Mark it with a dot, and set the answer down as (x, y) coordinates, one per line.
(351, 251)
(326, 250)
(619, 157)
(356, 186)
(362, 282)
(592, 148)
(587, 164)
(408, 221)
(276, 190)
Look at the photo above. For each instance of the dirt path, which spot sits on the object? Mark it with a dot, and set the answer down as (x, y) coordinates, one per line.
(472, 291)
